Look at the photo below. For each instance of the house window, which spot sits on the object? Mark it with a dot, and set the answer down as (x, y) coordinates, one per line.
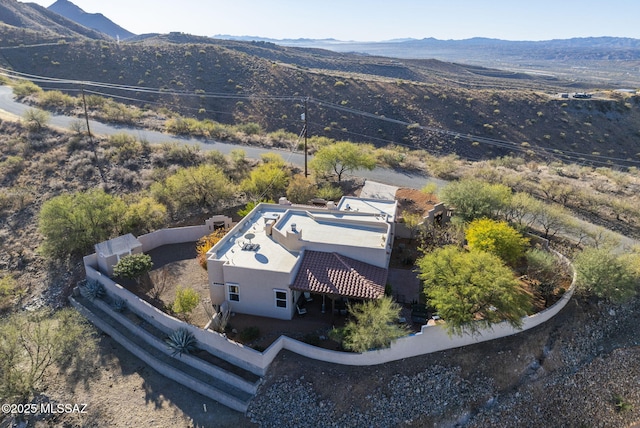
(234, 292)
(281, 298)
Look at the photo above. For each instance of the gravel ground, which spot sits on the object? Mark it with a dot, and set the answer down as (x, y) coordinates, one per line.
(568, 372)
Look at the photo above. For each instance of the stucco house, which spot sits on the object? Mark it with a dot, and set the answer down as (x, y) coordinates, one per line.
(279, 252)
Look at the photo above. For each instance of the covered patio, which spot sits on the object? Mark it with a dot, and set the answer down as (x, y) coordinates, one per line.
(336, 280)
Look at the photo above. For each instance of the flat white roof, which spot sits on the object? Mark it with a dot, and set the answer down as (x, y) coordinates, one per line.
(336, 227)
(373, 206)
(268, 254)
(248, 245)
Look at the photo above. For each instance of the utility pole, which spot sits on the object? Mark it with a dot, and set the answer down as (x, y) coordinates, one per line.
(306, 133)
(93, 146)
(86, 117)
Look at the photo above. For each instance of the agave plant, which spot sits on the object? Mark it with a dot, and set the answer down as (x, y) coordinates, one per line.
(93, 290)
(181, 342)
(118, 304)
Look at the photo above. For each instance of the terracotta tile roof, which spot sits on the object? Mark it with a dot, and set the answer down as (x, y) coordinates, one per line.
(331, 273)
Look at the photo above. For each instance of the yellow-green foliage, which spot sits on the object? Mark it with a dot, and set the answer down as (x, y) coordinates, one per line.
(194, 187)
(373, 325)
(301, 189)
(24, 88)
(9, 289)
(186, 301)
(205, 243)
(496, 237)
(56, 99)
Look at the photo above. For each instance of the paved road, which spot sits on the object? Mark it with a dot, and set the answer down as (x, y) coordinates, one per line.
(383, 175)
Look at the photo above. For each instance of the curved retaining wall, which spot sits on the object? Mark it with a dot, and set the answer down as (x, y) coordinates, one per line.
(429, 339)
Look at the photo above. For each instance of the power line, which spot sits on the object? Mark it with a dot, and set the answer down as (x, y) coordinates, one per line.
(504, 144)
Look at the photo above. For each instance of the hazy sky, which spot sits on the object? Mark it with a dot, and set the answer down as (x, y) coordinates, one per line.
(373, 20)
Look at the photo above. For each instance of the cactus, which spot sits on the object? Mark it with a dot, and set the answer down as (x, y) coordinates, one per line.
(118, 304)
(92, 290)
(181, 341)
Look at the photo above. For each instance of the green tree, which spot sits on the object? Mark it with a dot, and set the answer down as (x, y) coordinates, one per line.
(73, 223)
(342, 157)
(605, 274)
(145, 215)
(36, 119)
(496, 237)
(269, 180)
(545, 268)
(430, 190)
(551, 218)
(33, 343)
(301, 189)
(373, 325)
(187, 299)
(522, 209)
(194, 187)
(472, 289)
(412, 221)
(133, 266)
(473, 199)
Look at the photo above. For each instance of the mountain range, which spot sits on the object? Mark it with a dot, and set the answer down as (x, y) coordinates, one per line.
(421, 103)
(96, 21)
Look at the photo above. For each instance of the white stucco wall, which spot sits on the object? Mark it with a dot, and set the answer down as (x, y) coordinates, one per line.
(257, 295)
(430, 339)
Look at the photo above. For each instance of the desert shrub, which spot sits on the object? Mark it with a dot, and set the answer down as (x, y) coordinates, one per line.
(145, 215)
(204, 186)
(32, 343)
(11, 165)
(373, 325)
(24, 88)
(187, 299)
(249, 334)
(125, 147)
(133, 266)
(474, 199)
(9, 289)
(250, 128)
(35, 119)
(205, 243)
(242, 212)
(73, 223)
(301, 189)
(621, 404)
(329, 192)
(605, 274)
(269, 180)
(56, 99)
(181, 342)
(496, 237)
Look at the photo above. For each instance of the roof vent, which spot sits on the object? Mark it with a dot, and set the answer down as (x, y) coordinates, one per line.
(293, 228)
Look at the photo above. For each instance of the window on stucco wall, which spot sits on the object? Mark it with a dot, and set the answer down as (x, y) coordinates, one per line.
(281, 298)
(234, 292)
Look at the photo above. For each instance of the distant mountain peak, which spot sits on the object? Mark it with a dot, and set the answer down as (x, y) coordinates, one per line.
(96, 21)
